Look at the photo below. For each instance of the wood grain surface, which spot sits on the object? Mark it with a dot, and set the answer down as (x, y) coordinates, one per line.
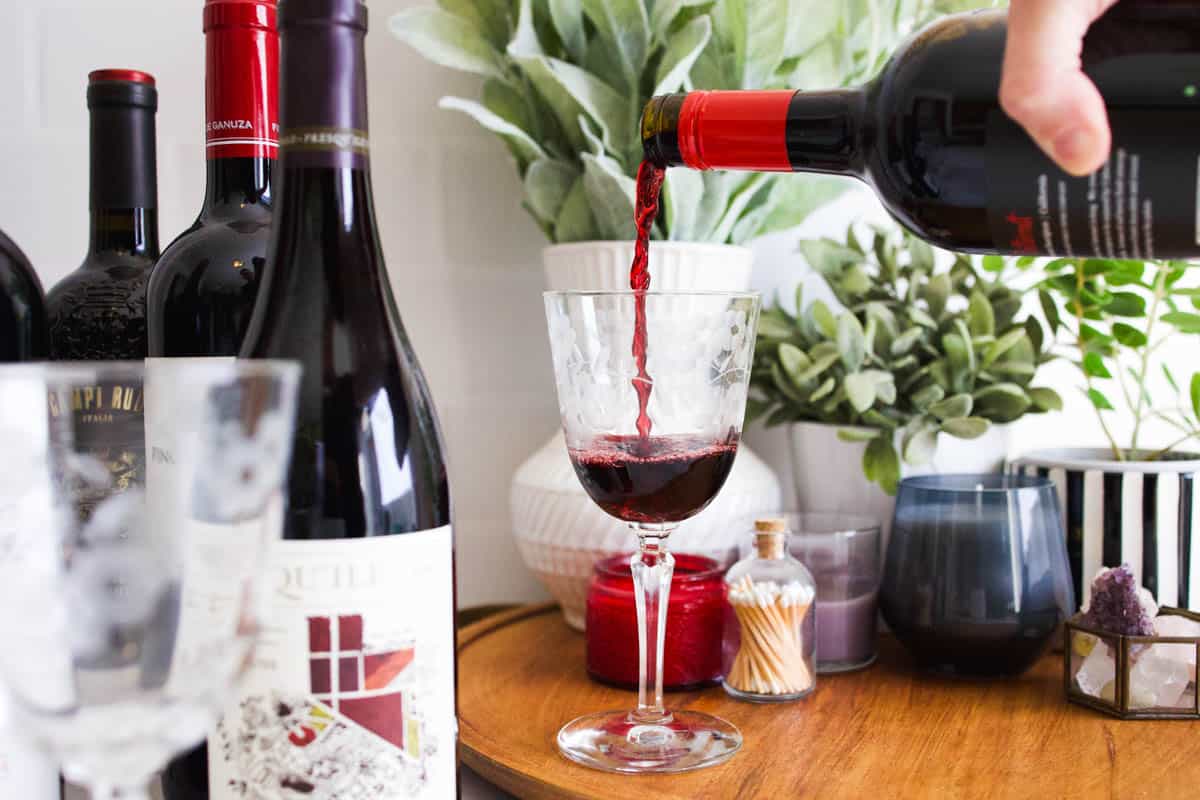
(885, 732)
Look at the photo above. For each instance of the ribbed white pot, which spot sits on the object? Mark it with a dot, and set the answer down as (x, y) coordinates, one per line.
(829, 475)
(560, 532)
(1141, 513)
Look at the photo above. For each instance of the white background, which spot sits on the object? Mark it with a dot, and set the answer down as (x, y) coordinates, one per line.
(463, 256)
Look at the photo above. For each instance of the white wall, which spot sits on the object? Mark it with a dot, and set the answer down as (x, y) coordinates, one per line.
(463, 256)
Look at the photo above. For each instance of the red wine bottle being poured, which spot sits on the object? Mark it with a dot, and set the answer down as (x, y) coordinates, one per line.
(649, 187)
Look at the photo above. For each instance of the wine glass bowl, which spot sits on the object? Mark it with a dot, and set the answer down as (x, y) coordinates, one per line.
(141, 548)
(699, 348)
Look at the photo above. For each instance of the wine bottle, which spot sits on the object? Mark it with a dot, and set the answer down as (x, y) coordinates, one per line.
(22, 307)
(353, 683)
(202, 290)
(929, 136)
(98, 312)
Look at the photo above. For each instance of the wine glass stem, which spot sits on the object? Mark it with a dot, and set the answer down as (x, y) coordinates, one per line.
(652, 566)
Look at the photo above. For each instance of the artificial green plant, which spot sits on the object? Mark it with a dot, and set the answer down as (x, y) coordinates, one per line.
(918, 349)
(565, 82)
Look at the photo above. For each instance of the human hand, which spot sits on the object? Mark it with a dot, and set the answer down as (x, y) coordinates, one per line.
(1043, 87)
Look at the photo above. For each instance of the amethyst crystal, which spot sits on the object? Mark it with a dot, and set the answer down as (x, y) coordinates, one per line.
(1115, 606)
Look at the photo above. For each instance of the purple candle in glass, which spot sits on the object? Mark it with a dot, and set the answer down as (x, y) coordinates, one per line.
(844, 554)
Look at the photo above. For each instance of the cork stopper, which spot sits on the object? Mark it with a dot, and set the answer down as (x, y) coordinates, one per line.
(769, 537)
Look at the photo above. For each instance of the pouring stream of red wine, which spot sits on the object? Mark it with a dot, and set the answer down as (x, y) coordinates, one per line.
(649, 186)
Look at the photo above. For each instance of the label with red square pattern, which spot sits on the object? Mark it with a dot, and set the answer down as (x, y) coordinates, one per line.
(351, 691)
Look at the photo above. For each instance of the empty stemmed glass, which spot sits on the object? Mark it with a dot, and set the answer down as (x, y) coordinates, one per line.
(699, 348)
(132, 551)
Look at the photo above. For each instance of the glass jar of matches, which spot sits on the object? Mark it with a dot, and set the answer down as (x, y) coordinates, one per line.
(773, 630)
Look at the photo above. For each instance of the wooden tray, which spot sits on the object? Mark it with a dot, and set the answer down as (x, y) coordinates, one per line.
(885, 732)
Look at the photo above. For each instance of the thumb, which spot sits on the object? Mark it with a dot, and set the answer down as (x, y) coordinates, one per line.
(1043, 87)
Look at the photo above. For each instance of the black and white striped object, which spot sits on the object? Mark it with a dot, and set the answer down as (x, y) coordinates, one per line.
(1142, 513)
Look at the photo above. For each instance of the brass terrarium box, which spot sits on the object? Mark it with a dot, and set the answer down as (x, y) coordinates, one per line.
(1134, 677)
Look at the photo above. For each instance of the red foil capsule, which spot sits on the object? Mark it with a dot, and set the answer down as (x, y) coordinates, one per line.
(695, 624)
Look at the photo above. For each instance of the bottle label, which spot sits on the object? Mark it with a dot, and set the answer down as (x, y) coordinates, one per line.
(242, 95)
(107, 424)
(1142, 204)
(351, 690)
(324, 146)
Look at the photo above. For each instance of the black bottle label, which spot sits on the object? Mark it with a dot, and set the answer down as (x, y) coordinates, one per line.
(108, 425)
(1142, 204)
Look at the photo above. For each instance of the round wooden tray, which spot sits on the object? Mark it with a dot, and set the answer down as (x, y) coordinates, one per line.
(886, 731)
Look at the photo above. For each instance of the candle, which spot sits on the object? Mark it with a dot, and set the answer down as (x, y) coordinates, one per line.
(843, 553)
(695, 624)
(976, 581)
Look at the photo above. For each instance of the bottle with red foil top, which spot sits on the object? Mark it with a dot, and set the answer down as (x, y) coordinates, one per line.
(929, 136)
(203, 288)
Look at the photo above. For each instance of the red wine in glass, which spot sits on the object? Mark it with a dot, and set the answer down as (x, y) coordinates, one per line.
(649, 187)
(654, 480)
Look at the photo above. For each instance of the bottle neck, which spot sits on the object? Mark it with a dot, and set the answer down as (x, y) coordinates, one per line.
(234, 183)
(323, 97)
(124, 231)
(762, 131)
(123, 197)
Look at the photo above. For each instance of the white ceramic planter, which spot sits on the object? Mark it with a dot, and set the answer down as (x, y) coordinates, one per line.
(560, 532)
(828, 472)
(1142, 513)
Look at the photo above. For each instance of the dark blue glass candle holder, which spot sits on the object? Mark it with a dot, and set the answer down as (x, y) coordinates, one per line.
(976, 579)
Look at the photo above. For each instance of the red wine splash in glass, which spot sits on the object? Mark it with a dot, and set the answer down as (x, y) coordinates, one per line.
(649, 187)
(663, 479)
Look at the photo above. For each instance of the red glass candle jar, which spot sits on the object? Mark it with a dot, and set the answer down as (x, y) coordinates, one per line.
(695, 621)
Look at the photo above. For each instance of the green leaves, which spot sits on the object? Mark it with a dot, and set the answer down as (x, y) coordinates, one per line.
(881, 464)
(681, 53)
(916, 349)
(1126, 304)
(1093, 365)
(1195, 393)
(1099, 400)
(851, 342)
(966, 427)
(1129, 335)
(1184, 321)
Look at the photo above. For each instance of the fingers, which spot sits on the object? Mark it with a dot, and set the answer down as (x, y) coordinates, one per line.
(1043, 88)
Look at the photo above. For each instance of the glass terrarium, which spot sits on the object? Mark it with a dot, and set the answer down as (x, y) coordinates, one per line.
(1135, 677)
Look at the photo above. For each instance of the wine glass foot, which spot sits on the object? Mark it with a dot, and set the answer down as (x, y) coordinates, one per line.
(616, 741)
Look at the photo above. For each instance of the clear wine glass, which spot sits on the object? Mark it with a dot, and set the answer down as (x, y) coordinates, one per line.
(699, 348)
(132, 550)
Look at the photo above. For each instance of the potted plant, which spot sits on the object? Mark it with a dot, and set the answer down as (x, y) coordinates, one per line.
(1127, 502)
(921, 370)
(564, 84)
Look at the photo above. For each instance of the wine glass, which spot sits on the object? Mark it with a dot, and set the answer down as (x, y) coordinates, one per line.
(132, 545)
(698, 352)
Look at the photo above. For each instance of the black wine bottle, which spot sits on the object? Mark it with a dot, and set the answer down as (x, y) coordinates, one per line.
(98, 312)
(353, 684)
(929, 136)
(22, 307)
(202, 290)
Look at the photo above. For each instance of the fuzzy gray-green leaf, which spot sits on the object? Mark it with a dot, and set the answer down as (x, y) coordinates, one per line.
(521, 142)
(547, 184)
(611, 194)
(683, 49)
(447, 39)
(625, 27)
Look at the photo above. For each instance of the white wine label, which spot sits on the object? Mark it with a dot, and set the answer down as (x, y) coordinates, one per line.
(350, 694)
